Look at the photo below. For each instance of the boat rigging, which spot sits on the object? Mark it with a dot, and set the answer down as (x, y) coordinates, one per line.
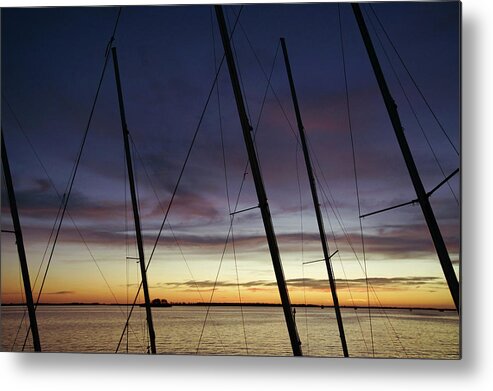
(423, 197)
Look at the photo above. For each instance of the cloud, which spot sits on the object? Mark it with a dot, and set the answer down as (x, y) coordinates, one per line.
(388, 283)
(389, 242)
(42, 203)
(190, 206)
(60, 293)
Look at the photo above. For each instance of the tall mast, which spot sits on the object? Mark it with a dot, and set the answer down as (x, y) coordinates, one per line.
(422, 196)
(259, 186)
(20, 248)
(138, 232)
(316, 203)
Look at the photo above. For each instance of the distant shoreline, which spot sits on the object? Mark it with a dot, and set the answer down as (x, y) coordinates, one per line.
(243, 305)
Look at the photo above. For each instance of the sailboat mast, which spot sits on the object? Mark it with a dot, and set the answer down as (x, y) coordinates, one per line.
(316, 203)
(259, 186)
(422, 196)
(20, 248)
(138, 232)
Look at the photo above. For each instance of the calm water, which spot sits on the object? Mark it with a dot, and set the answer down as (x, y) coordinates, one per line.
(396, 333)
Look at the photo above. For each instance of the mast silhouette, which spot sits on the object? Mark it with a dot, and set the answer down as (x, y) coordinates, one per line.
(19, 241)
(316, 203)
(422, 196)
(259, 186)
(138, 232)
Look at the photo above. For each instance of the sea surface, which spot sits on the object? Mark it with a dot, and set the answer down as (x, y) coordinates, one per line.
(231, 330)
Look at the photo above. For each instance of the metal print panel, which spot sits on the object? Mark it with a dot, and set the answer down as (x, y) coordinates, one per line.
(262, 180)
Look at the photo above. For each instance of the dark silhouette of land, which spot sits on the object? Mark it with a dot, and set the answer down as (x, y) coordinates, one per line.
(204, 304)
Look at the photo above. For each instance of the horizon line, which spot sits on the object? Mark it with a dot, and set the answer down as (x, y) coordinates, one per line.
(237, 304)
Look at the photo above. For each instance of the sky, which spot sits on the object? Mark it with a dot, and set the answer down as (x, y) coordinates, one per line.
(51, 63)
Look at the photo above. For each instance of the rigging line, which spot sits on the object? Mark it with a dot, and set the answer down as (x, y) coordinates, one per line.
(232, 226)
(220, 264)
(145, 344)
(375, 295)
(224, 248)
(77, 161)
(127, 242)
(391, 326)
(255, 131)
(193, 141)
(182, 170)
(41, 266)
(142, 337)
(306, 311)
(126, 295)
(243, 89)
(300, 194)
(336, 210)
(241, 186)
(169, 226)
(142, 321)
(399, 342)
(137, 195)
(413, 80)
(373, 289)
(246, 166)
(38, 272)
(244, 93)
(268, 78)
(23, 300)
(264, 99)
(193, 279)
(93, 107)
(223, 252)
(290, 124)
(76, 164)
(285, 115)
(38, 158)
(374, 292)
(282, 108)
(345, 275)
(348, 108)
(54, 224)
(21, 128)
(50, 180)
(432, 224)
(23, 297)
(334, 207)
(226, 180)
(153, 188)
(233, 215)
(142, 326)
(410, 104)
(23, 317)
(333, 204)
